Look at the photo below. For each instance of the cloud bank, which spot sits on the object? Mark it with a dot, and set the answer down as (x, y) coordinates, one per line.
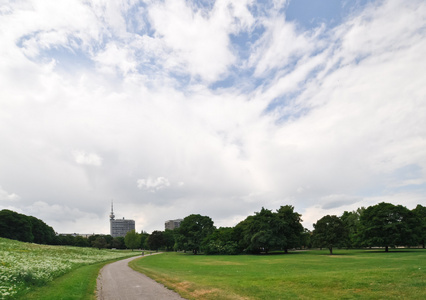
(233, 106)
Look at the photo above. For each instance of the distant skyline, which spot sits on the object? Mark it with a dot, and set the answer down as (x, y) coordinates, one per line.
(219, 108)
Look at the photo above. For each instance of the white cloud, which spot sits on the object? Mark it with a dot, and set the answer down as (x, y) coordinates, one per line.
(91, 159)
(335, 201)
(198, 40)
(279, 46)
(322, 120)
(153, 184)
(115, 57)
(8, 197)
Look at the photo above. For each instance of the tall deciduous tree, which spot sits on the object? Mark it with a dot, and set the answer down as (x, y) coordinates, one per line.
(387, 225)
(100, 243)
(259, 233)
(192, 231)
(351, 222)
(290, 228)
(329, 231)
(420, 212)
(222, 241)
(132, 239)
(168, 239)
(43, 234)
(144, 239)
(155, 240)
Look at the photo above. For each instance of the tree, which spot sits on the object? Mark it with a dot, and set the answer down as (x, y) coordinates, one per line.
(118, 243)
(329, 231)
(259, 233)
(15, 226)
(68, 240)
(144, 238)
(155, 240)
(306, 238)
(290, 228)
(43, 234)
(132, 239)
(80, 241)
(192, 231)
(99, 243)
(387, 225)
(168, 239)
(351, 222)
(221, 241)
(107, 238)
(420, 212)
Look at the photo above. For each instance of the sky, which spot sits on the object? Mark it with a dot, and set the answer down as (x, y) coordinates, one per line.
(219, 108)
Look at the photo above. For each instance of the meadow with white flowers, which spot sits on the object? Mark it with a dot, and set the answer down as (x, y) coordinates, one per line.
(23, 265)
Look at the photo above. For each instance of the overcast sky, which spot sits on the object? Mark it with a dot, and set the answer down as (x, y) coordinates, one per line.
(219, 108)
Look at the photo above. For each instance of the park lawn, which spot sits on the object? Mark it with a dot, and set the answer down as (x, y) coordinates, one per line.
(364, 274)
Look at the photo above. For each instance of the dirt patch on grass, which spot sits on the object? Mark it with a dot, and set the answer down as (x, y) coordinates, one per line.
(189, 290)
(222, 263)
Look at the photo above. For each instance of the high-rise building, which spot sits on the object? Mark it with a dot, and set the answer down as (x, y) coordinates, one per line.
(119, 227)
(172, 224)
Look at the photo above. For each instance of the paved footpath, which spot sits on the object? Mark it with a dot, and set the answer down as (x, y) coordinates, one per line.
(117, 281)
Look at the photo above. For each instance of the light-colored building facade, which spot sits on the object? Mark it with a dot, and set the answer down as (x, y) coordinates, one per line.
(120, 227)
(172, 224)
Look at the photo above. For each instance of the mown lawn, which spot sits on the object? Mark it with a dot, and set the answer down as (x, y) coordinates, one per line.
(348, 274)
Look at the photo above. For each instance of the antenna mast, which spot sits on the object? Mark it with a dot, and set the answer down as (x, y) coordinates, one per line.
(111, 216)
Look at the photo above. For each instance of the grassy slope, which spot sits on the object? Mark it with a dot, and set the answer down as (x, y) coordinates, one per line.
(305, 275)
(78, 282)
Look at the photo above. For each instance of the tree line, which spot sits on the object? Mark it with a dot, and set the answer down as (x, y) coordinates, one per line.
(383, 225)
(25, 228)
(32, 230)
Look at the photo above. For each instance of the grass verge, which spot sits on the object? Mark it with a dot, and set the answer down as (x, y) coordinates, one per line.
(349, 274)
(77, 284)
(26, 267)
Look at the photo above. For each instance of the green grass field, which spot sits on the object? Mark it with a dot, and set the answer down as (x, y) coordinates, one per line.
(31, 271)
(363, 274)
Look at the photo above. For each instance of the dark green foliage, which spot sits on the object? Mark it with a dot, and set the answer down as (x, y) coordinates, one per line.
(15, 226)
(43, 234)
(80, 241)
(25, 228)
(351, 222)
(91, 239)
(306, 238)
(221, 241)
(267, 230)
(67, 239)
(168, 239)
(155, 240)
(260, 232)
(290, 228)
(420, 213)
(100, 243)
(329, 231)
(192, 231)
(118, 243)
(387, 225)
(144, 239)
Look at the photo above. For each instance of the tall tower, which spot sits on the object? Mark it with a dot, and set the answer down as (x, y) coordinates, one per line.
(119, 227)
(111, 216)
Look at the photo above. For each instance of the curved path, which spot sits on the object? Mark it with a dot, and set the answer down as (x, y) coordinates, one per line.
(117, 281)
